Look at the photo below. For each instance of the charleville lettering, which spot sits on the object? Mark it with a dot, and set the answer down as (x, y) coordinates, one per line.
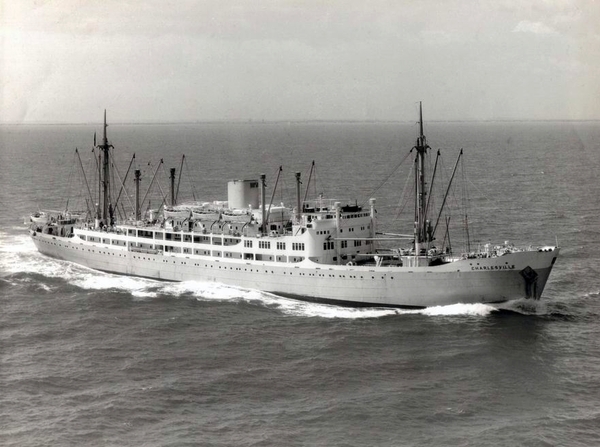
(493, 267)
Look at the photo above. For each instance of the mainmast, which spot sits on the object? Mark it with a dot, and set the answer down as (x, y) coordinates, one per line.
(421, 224)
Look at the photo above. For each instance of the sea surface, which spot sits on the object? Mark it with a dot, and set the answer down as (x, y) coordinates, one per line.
(94, 359)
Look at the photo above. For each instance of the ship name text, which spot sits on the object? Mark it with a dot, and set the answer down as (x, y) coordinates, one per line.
(493, 267)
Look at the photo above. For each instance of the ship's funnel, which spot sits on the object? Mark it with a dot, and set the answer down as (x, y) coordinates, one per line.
(243, 193)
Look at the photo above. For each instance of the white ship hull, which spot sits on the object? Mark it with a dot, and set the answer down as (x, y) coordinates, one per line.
(479, 280)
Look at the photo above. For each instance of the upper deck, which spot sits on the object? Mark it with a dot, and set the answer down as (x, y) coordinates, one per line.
(318, 236)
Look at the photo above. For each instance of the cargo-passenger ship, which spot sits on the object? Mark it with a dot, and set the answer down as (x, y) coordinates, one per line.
(317, 250)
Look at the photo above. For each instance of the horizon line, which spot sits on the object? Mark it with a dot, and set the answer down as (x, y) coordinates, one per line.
(288, 121)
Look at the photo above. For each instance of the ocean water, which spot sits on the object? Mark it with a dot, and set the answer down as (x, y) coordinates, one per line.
(89, 358)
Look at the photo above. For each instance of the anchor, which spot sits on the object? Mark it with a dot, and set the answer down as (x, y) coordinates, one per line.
(530, 276)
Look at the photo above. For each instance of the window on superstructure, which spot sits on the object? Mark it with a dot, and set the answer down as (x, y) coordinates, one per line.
(264, 244)
(344, 244)
(248, 244)
(328, 245)
(357, 243)
(280, 245)
(298, 246)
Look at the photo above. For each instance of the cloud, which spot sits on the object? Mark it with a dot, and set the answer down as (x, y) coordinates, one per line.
(525, 26)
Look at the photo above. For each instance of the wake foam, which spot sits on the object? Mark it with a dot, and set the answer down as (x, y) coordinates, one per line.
(476, 309)
(19, 255)
(19, 243)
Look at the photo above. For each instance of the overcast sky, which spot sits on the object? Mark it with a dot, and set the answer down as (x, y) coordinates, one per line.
(155, 60)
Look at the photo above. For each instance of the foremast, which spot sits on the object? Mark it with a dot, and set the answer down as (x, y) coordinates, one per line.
(105, 208)
(422, 228)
